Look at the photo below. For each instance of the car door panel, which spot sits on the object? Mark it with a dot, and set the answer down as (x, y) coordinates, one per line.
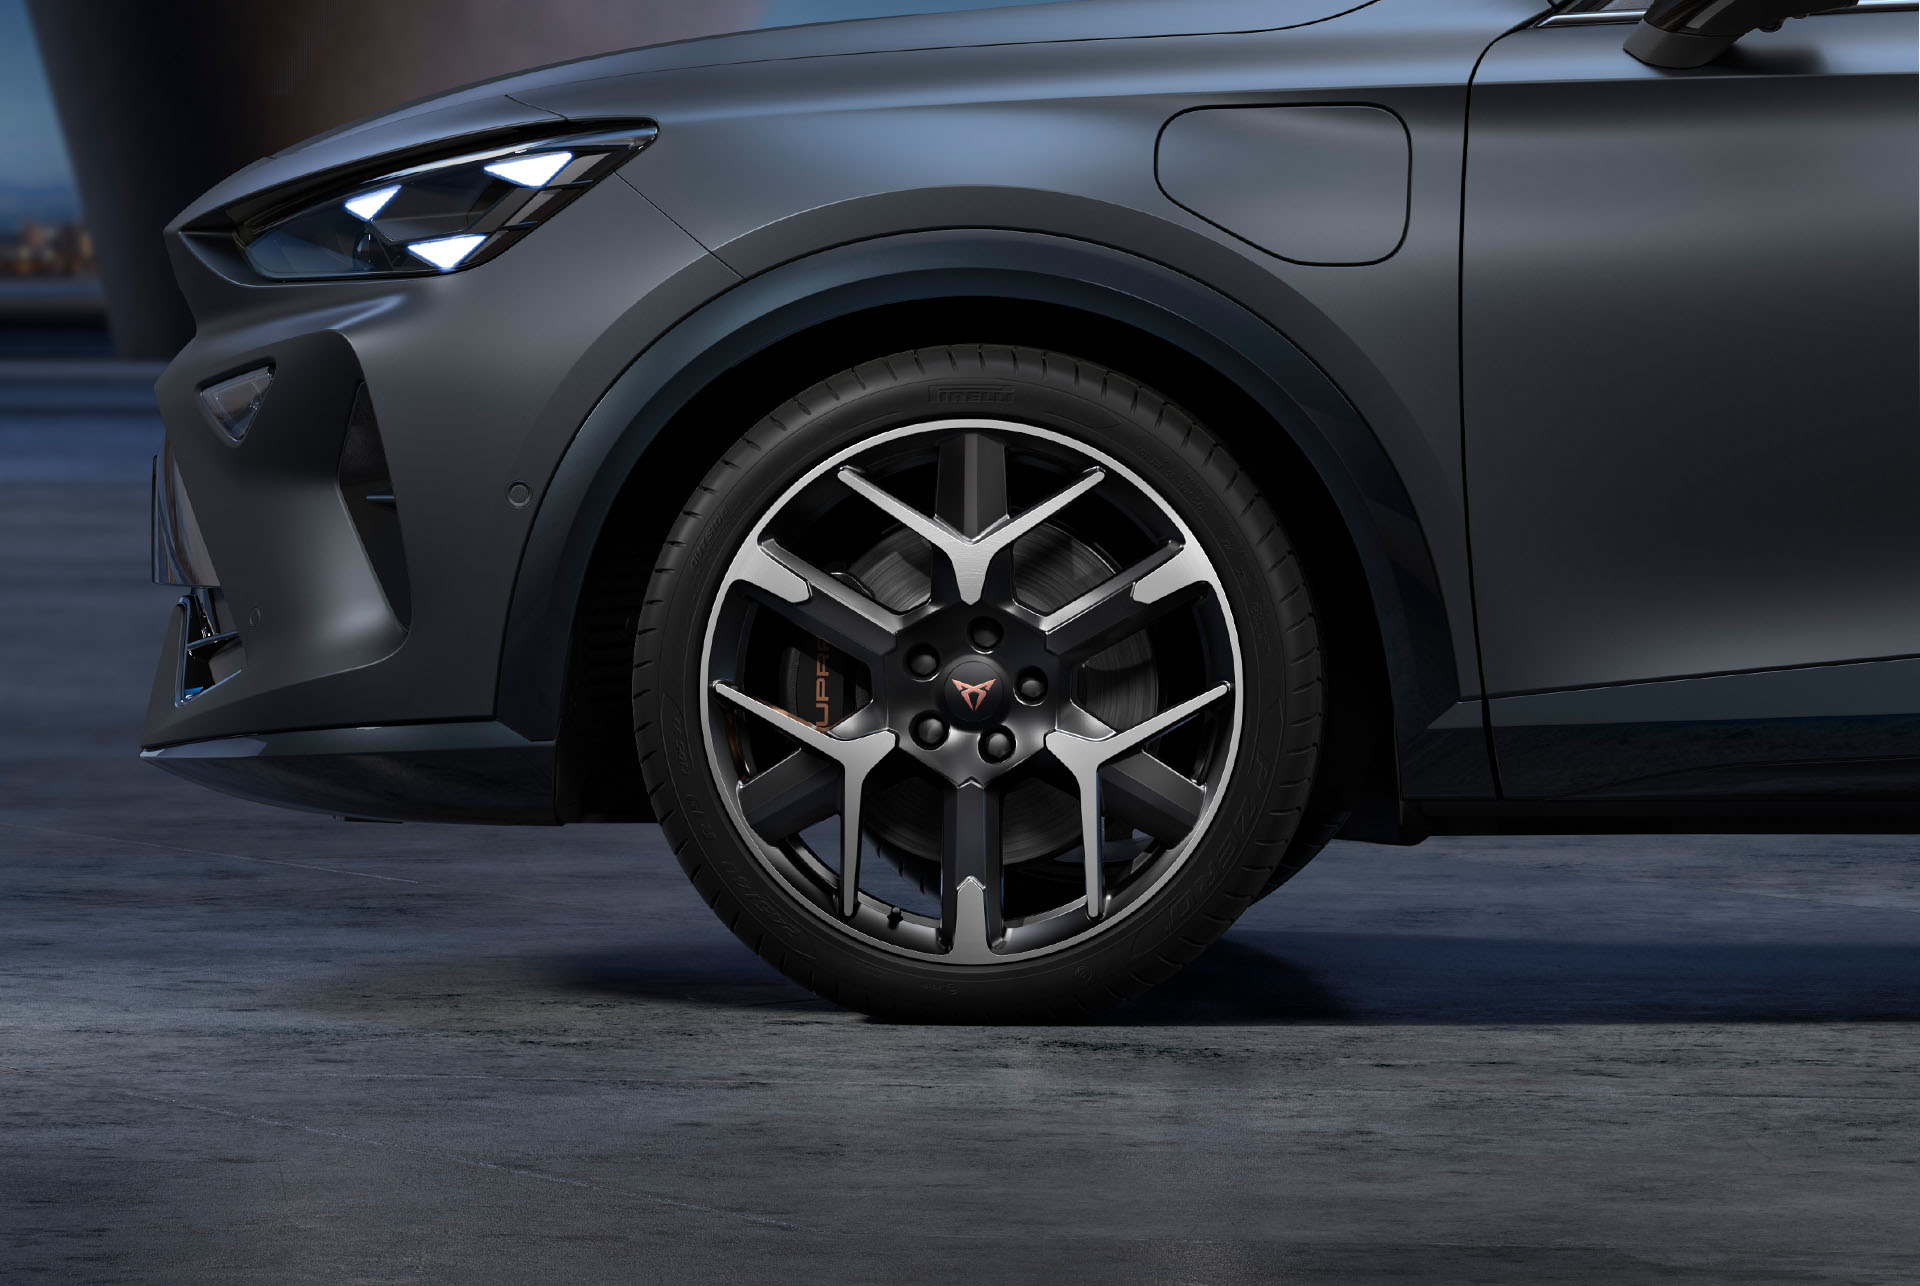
(1689, 337)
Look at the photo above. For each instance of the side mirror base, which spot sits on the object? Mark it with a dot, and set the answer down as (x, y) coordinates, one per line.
(1675, 50)
(1692, 33)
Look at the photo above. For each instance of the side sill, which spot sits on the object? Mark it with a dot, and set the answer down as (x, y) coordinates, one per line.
(1668, 817)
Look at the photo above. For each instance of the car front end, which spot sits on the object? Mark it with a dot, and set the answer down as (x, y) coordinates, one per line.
(357, 438)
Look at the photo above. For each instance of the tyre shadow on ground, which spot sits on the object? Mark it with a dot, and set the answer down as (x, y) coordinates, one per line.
(1390, 978)
(719, 974)
(1231, 984)
(1384, 978)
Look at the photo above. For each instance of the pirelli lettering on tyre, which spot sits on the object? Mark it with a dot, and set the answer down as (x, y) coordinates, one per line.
(971, 395)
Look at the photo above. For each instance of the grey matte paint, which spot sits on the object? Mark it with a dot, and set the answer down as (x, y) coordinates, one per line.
(1325, 185)
(768, 162)
(1691, 333)
(1691, 326)
(808, 175)
(473, 389)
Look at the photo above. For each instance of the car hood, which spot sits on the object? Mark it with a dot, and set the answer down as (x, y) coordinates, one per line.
(1019, 25)
(511, 101)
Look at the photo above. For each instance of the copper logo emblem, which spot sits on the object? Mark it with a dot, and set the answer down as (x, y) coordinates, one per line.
(974, 693)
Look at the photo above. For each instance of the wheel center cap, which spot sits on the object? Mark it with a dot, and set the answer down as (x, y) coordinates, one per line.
(974, 693)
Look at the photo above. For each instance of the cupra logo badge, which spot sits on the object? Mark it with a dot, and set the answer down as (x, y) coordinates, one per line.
(974, 693)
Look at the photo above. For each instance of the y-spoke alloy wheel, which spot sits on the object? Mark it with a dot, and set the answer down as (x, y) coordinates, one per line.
(949, 716)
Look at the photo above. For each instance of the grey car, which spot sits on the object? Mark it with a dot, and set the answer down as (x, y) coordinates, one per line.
(1003, 489)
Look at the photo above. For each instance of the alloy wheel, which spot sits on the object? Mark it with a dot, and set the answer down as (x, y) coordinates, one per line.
(973, 691)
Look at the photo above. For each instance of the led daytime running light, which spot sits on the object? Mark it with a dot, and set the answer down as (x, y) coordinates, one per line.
(438, 217)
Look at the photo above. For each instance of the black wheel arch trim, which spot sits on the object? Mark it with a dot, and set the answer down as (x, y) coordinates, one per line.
(786, 301)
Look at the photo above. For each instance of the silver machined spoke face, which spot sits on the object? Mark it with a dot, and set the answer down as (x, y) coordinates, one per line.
(970, 924)
(1127, 603)
(1084, 757)
(990, 670)
(969, 559)
(857, 758)
(814, 600)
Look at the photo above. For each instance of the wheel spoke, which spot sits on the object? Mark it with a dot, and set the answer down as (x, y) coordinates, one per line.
(1141, 788)
(970, 559)
(1083, 757)
(1127, 603)
(857, 758)
(970, 918)
(815, 601)
(785, 799)
(925, 526)
(971, 491)
(1014, 528)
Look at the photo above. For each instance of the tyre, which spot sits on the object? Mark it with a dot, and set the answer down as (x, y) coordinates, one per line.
(978, 684)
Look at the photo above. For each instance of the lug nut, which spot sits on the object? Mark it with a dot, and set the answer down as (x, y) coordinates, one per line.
(996, 745)
(1032, 686)
(929, 730)
(985, 634)
(922, 662)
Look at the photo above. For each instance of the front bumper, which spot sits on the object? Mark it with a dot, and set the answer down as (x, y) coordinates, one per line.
(446, 772)
(368, 529)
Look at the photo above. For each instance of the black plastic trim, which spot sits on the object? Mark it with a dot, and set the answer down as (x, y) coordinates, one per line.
(1666, 817)
(1829, 731)
(439, 772)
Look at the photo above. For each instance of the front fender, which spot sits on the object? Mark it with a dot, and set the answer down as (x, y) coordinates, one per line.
(787, 301)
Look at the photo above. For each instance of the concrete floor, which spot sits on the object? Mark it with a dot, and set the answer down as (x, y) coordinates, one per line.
(239, 1045)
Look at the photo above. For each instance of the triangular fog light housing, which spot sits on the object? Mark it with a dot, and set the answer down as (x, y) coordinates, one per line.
(234, 402)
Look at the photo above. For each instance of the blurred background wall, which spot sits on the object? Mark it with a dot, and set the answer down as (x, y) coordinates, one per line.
(114, 114)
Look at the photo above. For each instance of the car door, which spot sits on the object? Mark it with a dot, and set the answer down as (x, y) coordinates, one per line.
(1692, 411)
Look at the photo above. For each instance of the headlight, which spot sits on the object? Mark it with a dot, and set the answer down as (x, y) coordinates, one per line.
(437, 217)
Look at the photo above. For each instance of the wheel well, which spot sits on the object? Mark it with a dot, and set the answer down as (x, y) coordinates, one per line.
(599, 770)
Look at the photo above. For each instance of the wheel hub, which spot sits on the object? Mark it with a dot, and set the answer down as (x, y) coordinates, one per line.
(975, 693)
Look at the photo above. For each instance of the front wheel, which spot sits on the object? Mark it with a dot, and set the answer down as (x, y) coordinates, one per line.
(964, 716)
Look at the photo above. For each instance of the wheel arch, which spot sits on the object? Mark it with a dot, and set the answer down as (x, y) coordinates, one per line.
(647, 443)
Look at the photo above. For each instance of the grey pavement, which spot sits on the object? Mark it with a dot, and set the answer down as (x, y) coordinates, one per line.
(246, 1046)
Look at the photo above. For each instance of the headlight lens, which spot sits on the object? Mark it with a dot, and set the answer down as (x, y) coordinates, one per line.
(438, 217)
